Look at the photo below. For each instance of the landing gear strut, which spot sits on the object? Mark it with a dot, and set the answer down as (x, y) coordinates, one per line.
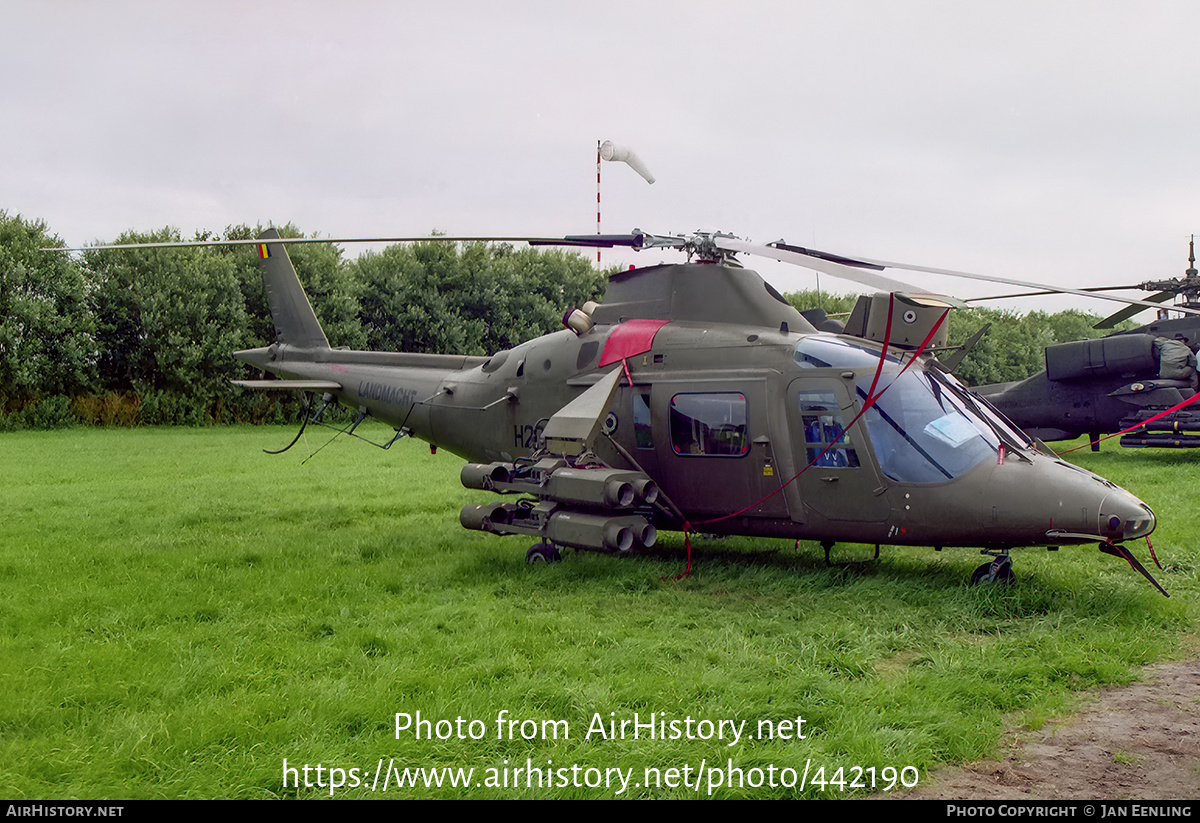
(997, 571)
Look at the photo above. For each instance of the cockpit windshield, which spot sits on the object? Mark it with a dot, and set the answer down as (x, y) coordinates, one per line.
(922, 433)
(924, 427)
(818, 351)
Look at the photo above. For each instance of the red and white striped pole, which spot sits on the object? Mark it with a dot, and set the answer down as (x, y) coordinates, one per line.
(597, 199)
(611, 151)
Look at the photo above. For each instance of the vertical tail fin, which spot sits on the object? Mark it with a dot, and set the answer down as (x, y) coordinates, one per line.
(295, 321)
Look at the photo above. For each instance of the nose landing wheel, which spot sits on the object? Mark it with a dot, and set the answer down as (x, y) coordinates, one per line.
(998, 571)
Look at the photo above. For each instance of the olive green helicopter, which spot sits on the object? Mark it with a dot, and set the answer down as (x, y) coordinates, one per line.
(695, 398)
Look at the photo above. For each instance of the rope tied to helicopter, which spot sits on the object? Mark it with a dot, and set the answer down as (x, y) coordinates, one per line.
(869, 401)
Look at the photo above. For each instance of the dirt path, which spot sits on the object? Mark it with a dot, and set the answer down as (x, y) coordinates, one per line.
(1137, 742)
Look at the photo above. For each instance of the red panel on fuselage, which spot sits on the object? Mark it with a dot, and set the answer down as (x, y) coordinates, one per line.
(630, 338)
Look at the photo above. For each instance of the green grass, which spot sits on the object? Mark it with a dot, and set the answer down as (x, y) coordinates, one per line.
(180, 612)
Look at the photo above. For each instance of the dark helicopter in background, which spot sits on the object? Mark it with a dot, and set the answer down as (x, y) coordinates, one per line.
(696, 398)
(1137, 383)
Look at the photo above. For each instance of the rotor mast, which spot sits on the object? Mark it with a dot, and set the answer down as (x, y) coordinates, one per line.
(1187, 288)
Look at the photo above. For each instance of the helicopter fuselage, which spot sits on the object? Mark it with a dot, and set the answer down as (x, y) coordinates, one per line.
(747, 419)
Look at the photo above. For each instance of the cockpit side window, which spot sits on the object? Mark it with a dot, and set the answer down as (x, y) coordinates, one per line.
(825, 437)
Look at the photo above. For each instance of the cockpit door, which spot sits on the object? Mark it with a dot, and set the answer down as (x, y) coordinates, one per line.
(843, 483)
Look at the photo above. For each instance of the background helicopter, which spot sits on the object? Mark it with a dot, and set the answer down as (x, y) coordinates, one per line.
(1138, 381)
(696, 397)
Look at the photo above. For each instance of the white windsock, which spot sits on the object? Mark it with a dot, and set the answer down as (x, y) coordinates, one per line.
(613, 151)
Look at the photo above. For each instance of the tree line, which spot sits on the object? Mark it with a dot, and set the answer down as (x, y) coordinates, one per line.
(129, 337)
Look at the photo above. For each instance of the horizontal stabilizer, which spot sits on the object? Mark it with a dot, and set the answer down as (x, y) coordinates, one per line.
(291, 385)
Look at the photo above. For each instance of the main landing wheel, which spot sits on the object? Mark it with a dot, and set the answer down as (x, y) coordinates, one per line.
(987, 574)
(543, 553)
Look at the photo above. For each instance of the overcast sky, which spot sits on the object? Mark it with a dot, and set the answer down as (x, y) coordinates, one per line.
(1050, 141)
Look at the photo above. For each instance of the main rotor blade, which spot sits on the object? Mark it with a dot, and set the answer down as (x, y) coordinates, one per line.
(606, 240)
(824, 255)
(602, 241)
(987, 278)
(1047, 291)
(1129, 311)
(822, 264)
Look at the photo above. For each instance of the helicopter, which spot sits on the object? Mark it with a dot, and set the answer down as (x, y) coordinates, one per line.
(694, 397)
(1139, 383)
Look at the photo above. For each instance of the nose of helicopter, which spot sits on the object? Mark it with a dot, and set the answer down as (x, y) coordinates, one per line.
(1124, 517)
(1090, 505)
(1054, 503)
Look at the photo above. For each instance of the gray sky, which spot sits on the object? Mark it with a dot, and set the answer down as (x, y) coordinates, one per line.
(1050, 141)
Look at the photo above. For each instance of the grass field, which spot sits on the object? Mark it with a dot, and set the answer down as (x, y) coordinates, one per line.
(181, 613)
